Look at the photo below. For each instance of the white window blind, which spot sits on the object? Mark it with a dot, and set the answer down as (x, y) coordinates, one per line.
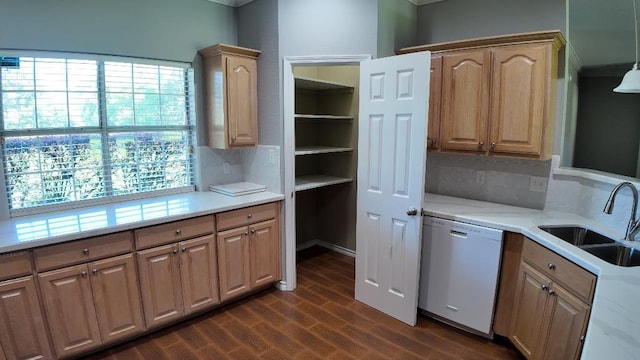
(79, 130)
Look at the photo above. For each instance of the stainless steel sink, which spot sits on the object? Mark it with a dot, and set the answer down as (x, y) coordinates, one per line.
(615, 254)
(577, 235)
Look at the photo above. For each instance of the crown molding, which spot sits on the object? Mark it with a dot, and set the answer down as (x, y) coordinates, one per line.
(238, 3)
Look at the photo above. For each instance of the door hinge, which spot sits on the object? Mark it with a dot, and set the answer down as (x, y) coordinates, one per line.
(422, 212)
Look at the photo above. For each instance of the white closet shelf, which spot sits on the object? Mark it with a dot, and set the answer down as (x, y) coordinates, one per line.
(312, 150)
(315, 84)
(323, 117)
(309, 182)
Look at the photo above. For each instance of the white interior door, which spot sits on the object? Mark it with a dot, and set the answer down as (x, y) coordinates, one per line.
(392, 132)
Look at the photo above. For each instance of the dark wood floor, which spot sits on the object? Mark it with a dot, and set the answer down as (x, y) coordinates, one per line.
(319, 320)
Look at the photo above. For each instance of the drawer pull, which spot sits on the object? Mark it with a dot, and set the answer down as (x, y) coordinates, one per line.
(95, 271)
(178, 232)
(184, 249)
(175, 251)
(83, 274)
(85, 251)
(250, 216)
(253, 231)
(551, 266)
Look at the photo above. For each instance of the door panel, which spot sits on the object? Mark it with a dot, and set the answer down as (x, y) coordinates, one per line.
(242, 112)
(22, 330)
(233, 262)
(117, 297)
(517, 105)
(199, 271)
(160, 286)
(68, 302)
(394, 97)
(264, 249)
(465, 98)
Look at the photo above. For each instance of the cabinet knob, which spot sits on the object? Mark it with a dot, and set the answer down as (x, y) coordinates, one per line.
(582, 338)
(246, 233)
(544, 287)
(85, 251)
(493, 146)
(175, 251)
(551, 292)
(184, 249)
(83, 274)
(178, 232)
(253, 231)
(250, 216)
(480, 144)
(95, 271)
(551, 266)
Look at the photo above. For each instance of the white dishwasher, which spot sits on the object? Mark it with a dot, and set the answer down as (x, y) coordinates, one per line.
(459, 273)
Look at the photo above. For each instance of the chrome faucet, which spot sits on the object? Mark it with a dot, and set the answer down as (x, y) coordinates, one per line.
(633, 228)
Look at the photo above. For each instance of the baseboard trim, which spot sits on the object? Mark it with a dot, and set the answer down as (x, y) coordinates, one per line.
(326, 245)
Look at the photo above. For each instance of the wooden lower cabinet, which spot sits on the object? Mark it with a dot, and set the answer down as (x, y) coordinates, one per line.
(178, 279)
(91, 304)
(22, 330)
(234, 262)
(548, 321)
(264, 238)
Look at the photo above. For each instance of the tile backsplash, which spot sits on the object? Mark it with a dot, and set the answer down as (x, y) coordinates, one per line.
(486, 178)
(260, 165)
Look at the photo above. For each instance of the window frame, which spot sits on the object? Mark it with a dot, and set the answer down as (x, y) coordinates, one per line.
(103, 130)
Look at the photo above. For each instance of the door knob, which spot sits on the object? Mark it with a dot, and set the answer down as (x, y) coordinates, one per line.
(412, 211)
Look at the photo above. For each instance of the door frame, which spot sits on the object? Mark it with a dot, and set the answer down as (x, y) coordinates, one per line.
(289, 281)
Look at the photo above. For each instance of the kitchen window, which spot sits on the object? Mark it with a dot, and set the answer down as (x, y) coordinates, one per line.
(77, 129)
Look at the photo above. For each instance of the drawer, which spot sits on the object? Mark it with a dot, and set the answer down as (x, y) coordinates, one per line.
(174, 231)
(74, 252)
(246, 216)
(581, 282)
(15, 264)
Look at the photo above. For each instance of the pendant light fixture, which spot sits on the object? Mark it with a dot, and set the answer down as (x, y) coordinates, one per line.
(631, 80)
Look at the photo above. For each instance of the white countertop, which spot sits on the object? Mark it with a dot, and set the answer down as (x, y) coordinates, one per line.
(60, 226)
(614, 326)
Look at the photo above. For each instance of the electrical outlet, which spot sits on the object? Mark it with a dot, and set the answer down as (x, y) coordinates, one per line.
(226, 168)
(480, 177)
(272, 157)
(538, 184)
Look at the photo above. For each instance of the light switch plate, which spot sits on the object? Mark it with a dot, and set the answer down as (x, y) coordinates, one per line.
(538, 184)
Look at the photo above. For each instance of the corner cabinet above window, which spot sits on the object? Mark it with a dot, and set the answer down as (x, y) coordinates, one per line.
(231, 90)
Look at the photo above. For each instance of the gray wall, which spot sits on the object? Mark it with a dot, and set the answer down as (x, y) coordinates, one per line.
(462, 19)
(258, 29)
(161, 29)
(397, 26)
(608, 127)
(327, 27)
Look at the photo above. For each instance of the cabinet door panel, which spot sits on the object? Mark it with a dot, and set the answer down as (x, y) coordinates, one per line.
(528, 315)
(265, 253)
(199, 272)
(465, 98)
(160, 284)
(22, 330)
(568, 321)
(517, 102)
(242, 94)
(68, 302)
(435, 98)
(116, 297)
(233, 262)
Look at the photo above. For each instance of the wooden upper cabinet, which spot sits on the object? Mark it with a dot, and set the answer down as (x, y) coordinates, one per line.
(231, 90)
(22, 329)
(435, 103)
(465, 95)
(518, 98)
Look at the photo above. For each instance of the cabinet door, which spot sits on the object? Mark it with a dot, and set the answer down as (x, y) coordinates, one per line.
(199, 272)
(68, 302)
(264, 246)
(116, 297)
(528, 315)
(517, 99)
(22, 330)
(160, 286)
(435, 98)
(241, 101)
(465, 100)
(567, 324)
(233, 262)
